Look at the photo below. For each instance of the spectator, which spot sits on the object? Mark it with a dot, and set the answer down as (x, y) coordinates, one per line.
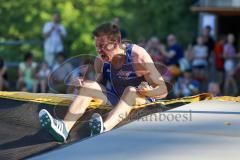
(153, 47)
(54, 33)
(3, 75)
(142, 42)
(123, 32)
(27, 72)
(186, 85)
(199, 58)
(214, 89)
(60, 73)
(175, 51)
(43, 75)
(208, 39)
(230, 54)
(174, 56)
(85, 71)
(219, 60)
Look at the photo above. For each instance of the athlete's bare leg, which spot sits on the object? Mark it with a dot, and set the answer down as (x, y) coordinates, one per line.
(89, 90)
(129, 98)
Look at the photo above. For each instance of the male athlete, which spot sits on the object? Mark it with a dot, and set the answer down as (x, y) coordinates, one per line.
(131, 77)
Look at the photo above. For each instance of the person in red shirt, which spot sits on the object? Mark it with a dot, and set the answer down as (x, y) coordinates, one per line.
(219, 60)
(218, 49)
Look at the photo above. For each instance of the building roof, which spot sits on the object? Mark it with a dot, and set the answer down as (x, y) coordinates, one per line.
(221, 7)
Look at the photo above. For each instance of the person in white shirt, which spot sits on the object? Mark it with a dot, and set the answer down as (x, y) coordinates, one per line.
(199, 59)
(54, 33)
(200, 53)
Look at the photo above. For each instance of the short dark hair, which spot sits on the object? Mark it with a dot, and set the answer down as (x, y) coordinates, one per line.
(1, 62)
(61, 54)
(188, 70)
(208, 27)
(109, 29)
(28, 56)
(56, 12)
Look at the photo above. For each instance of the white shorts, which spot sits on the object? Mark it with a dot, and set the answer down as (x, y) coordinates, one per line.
(229, 66)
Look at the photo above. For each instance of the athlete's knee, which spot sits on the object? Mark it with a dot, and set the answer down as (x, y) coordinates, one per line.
(90, 85)
(130, 91)
(92, 89)
(129, 95)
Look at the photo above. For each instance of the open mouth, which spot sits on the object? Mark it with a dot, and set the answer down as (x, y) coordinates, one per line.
(104, 57)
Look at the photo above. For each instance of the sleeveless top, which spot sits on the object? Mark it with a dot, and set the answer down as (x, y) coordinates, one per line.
(116, 80)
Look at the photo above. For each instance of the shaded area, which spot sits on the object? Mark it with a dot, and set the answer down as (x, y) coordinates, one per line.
(22, 136)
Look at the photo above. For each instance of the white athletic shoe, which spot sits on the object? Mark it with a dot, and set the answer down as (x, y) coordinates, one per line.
(55, 127)
(96, 124)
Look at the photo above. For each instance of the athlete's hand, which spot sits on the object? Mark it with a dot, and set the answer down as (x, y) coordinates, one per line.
(143, 88)
(77, 82)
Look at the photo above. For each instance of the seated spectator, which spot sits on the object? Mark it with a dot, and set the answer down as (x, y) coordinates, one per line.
(230, 55)
(186, 85)
(3, 75)
(199, 58)
(27, 74)
(60, 73)
(214, 89)
(43, 75)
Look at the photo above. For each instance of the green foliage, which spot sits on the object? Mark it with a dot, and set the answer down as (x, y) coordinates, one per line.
(24, 19)
(161, 17)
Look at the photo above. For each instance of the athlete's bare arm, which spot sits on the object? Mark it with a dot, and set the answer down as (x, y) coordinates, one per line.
(144, 63)
(98, 66)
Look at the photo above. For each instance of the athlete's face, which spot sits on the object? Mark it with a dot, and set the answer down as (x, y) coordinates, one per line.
(105, 47)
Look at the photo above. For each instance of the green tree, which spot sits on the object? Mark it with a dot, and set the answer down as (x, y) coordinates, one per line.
(161, 17)
(23, 20)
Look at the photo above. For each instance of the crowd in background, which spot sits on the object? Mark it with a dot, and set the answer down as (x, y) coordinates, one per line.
(205, 65)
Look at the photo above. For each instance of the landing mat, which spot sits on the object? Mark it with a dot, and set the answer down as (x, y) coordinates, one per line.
(21, 135)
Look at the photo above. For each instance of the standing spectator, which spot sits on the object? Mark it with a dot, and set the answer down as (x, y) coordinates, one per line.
(219, 60)
(175, 51)
(27, 72)
(174, 55)
(229, 53)
(3, 75)
(43, 75)
(54, 33)
(199, 58)
(208, 39)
